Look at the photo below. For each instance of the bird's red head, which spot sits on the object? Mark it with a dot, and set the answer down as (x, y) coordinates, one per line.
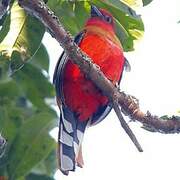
(101, 18)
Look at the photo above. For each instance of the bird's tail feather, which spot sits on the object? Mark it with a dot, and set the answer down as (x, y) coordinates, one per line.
(69, 140)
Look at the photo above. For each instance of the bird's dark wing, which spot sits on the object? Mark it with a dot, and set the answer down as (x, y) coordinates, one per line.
(70, 129)
(127, 65)
(59, 69)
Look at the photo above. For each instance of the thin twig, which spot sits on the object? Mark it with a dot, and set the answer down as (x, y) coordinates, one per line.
(125, 126)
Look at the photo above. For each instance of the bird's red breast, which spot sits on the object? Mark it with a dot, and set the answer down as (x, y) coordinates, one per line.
(80, 94)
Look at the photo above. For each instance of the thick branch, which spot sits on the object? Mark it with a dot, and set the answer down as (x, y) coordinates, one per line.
(128, 104)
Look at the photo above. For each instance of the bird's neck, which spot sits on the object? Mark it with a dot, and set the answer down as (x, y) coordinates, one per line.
(104, 31)
(99, 23)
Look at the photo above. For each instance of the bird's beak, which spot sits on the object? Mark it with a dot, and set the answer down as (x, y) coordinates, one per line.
(95, 12)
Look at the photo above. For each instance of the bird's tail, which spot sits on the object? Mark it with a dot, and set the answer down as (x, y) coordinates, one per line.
(70, 137)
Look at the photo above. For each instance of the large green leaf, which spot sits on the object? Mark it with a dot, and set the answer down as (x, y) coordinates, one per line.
(5, 28)
(134, 3)
(9, 90)
(72, 14)
(32, 144)
(38, 177)
(8, 127)
(48, 166)
(24, 36)
(129, 25)
(4, 69)
(51, 163)
(34, 85)
(146, 2)
(41, 82)
(81, 11)
(41, 58)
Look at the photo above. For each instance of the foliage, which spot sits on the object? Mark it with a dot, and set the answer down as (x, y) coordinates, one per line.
(129, 25)
(136, 3)
(20, 37)
(25, 116)
(146, 2)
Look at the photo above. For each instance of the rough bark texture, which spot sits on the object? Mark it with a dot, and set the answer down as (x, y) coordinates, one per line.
(129, 104)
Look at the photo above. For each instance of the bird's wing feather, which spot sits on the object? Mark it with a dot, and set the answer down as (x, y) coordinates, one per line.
(70, 129)
(59, 69)
(127, 65)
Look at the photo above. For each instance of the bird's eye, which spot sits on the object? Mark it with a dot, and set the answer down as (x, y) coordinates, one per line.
(108, 19)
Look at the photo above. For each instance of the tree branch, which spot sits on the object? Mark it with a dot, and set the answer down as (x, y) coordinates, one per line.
(128, 103)
(125, 126)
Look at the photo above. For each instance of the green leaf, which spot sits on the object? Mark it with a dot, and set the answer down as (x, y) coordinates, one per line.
(41, 58)
(64, 10)
(9, 90)
(5, 28)
(82, 13)
(165, 117)
(47, 166)
(72, 14)
(38, 177)
(24, 36)
(125, 39)
(8, 127)
(34, 85)
(51, 163)
(16, 62)
(40, 81)
(4, 69)
(129, 25)
(146, 2)
(10, 118)
(132, 3)
(32, 144)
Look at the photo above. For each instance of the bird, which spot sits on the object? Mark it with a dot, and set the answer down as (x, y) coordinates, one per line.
(80, 102)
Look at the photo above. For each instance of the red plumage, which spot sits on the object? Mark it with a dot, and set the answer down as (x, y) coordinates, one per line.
(81, 102)
(81, 95)
(102, 46)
